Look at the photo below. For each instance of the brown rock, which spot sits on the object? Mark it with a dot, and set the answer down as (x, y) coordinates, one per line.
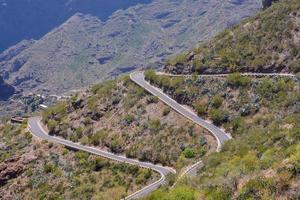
(11, 168)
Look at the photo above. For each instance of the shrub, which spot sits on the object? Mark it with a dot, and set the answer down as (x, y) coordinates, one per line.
(166, 111)
(257, 188)
(295, 66)
(217, 193)
(200, 108)
(198, 66)
(49, 168)
(128, 119)
(237, 80)
(152, 99)
(189, 153)
(154, 125)
(217, 101)
(216, 116)
(178, 59)
(92, 103)
(52, 124)
(151, 76)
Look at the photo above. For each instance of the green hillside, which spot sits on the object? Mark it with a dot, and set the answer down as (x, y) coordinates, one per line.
(268, 42)
(262, 161)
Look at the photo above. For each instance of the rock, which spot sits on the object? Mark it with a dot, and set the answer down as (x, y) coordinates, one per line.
(2, 146)
(96, 116)
(10, 168)
(78, 104)
(28, 158)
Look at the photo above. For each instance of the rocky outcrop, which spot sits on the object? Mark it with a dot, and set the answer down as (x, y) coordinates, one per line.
(10, 168)
(6, 91)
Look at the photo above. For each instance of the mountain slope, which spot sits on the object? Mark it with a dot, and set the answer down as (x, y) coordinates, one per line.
(84, 49)
(262, 161)
(31, 19)
(35, 169)
(268, 42)
(5, 90)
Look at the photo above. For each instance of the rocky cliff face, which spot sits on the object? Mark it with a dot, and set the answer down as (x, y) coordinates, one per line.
(85, 50)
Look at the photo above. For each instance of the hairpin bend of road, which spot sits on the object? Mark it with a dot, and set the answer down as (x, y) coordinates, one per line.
(36, 128)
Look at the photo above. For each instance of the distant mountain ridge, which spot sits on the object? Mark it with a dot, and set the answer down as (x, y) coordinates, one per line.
(31, 19)
(85, 50)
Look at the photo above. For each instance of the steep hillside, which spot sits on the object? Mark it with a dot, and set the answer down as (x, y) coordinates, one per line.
(31, 19)
(5, 90)
(31, 169)
(268, 42)
(85, 50)
(122, 118)
(262, 161)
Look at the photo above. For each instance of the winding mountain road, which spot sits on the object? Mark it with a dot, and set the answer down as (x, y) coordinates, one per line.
(220, 135)
(36, 128)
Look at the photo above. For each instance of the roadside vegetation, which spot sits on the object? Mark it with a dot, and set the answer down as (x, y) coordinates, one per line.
(268, 42)
(121, 117)
(31, 169)
(262, 114)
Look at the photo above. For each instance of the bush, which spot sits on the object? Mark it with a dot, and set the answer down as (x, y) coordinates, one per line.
(128, 119)
(151, 76)
(295, 66)
(178, 59)
(52, 124)
(189, 153)
(154, 125)
(237, 80)
(216, 116)
(152, 99)
(49, 168)
(166, 111)
(198, 66)
(217, 101)
(258, 188)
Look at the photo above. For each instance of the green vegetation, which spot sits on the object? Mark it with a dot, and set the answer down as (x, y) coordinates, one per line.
(189, 153)
(268, 42)
(125, 119)
(237, 80)
(179, 193)
(42, 170)
(263, 159)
